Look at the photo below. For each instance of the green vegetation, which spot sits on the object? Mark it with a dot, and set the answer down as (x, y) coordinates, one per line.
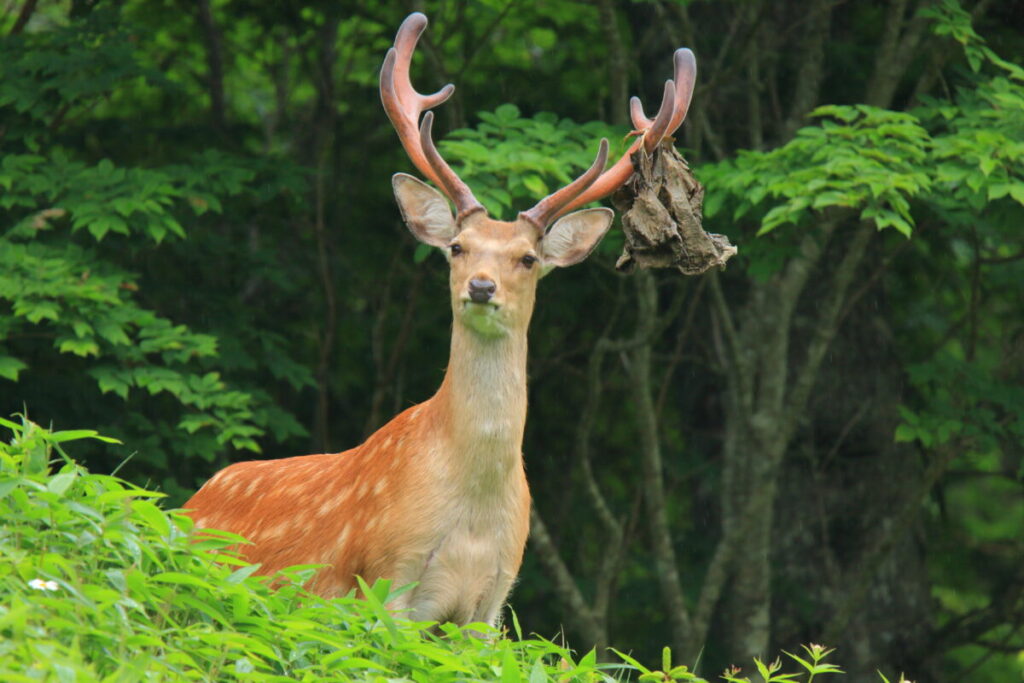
(97, 582)
(200, 257)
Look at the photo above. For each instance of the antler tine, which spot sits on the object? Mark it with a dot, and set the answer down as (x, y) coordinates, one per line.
(656, 132)
(456, 190)
(546, 209)
(404, 106)
(685, 75)
(674, 104)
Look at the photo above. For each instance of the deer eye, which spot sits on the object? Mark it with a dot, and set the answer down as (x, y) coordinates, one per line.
(528, 260)
(456, 249)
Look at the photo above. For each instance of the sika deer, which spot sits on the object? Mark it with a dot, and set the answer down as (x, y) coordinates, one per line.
(437, 496)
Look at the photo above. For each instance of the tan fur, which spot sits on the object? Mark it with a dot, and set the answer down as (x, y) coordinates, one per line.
(438, 495)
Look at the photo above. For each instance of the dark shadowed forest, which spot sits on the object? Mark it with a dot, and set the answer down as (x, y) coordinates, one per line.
(201, 257)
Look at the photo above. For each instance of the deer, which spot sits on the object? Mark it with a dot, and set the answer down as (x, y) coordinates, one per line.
(438, 496)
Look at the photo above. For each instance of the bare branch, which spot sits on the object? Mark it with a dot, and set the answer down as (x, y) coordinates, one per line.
(27, 10)
(654, 486)
(677, 351)
(578, 612)
(214, 61)
(735, 362)
(617, 75)
(812, 66)
(903, 34)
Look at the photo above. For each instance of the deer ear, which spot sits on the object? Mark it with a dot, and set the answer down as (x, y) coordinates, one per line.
(424, 209)
(573, 237)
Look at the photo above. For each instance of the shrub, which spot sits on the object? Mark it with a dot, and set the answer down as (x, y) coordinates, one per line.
(98, 582)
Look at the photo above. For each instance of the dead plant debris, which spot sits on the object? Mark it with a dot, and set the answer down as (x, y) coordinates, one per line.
(661, 207)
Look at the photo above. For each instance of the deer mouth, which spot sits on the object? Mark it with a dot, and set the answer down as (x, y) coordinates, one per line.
(485, 307)
(483, 318)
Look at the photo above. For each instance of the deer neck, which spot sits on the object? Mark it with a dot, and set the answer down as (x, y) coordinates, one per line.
(482, 402)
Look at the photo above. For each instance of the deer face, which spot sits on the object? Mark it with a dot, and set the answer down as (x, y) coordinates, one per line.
(495, 265)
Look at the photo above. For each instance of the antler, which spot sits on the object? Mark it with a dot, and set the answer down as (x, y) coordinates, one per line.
(674, 104)
(546, 209)
(404, 106)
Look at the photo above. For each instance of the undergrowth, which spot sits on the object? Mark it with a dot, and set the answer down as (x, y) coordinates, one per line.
(99, 583)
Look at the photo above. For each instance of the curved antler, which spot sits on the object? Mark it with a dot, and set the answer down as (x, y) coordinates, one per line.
(546, 209)
(404, 106)
(674, 104)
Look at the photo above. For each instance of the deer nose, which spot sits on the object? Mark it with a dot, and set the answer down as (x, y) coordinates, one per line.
(481, 291)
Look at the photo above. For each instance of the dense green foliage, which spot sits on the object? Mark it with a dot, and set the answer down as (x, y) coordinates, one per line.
(97, 582)
(200, 256)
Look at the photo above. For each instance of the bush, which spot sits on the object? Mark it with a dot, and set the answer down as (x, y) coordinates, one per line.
(97, 582)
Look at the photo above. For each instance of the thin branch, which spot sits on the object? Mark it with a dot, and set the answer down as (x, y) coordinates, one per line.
(330, 311)
(997, 260)
(618, 77)
(677, 351)
(27, 10)
(478, 43)
(974, 303)
(866, 284)
(734, 362)
(811, 71)
(215, 62)
(901, 39)
(583, 432)
(857, 416)
(578, 612)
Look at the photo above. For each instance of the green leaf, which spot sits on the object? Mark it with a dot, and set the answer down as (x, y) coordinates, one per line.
(632, 662)
(76, 434)
(10, 367)
(1017, 192)
(242, 573)
(153, 516)
(60, 483)
(79, 347)
(510, 668)
(535, 185)
(421, 253)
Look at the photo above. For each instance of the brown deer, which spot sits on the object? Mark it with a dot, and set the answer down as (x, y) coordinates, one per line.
(438, 495)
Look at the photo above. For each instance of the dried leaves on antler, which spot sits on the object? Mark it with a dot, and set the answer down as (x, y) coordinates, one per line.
(661, 207)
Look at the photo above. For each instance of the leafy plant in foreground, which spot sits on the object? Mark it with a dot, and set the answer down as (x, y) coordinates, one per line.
(97, 582)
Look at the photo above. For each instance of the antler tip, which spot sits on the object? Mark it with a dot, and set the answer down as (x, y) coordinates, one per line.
(430, 101)
(417, 21)
(684, 53)
(636, 113)
(685, 62)
(426, 124)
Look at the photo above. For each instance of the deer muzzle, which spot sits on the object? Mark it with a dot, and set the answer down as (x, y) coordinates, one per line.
(481, 291)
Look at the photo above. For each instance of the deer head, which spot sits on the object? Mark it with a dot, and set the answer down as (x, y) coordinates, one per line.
(495, 265)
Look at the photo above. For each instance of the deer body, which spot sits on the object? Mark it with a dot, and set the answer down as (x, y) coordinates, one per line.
(432, 497)
(438, 496)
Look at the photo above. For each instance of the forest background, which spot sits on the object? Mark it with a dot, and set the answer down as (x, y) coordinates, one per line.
(201, 257)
